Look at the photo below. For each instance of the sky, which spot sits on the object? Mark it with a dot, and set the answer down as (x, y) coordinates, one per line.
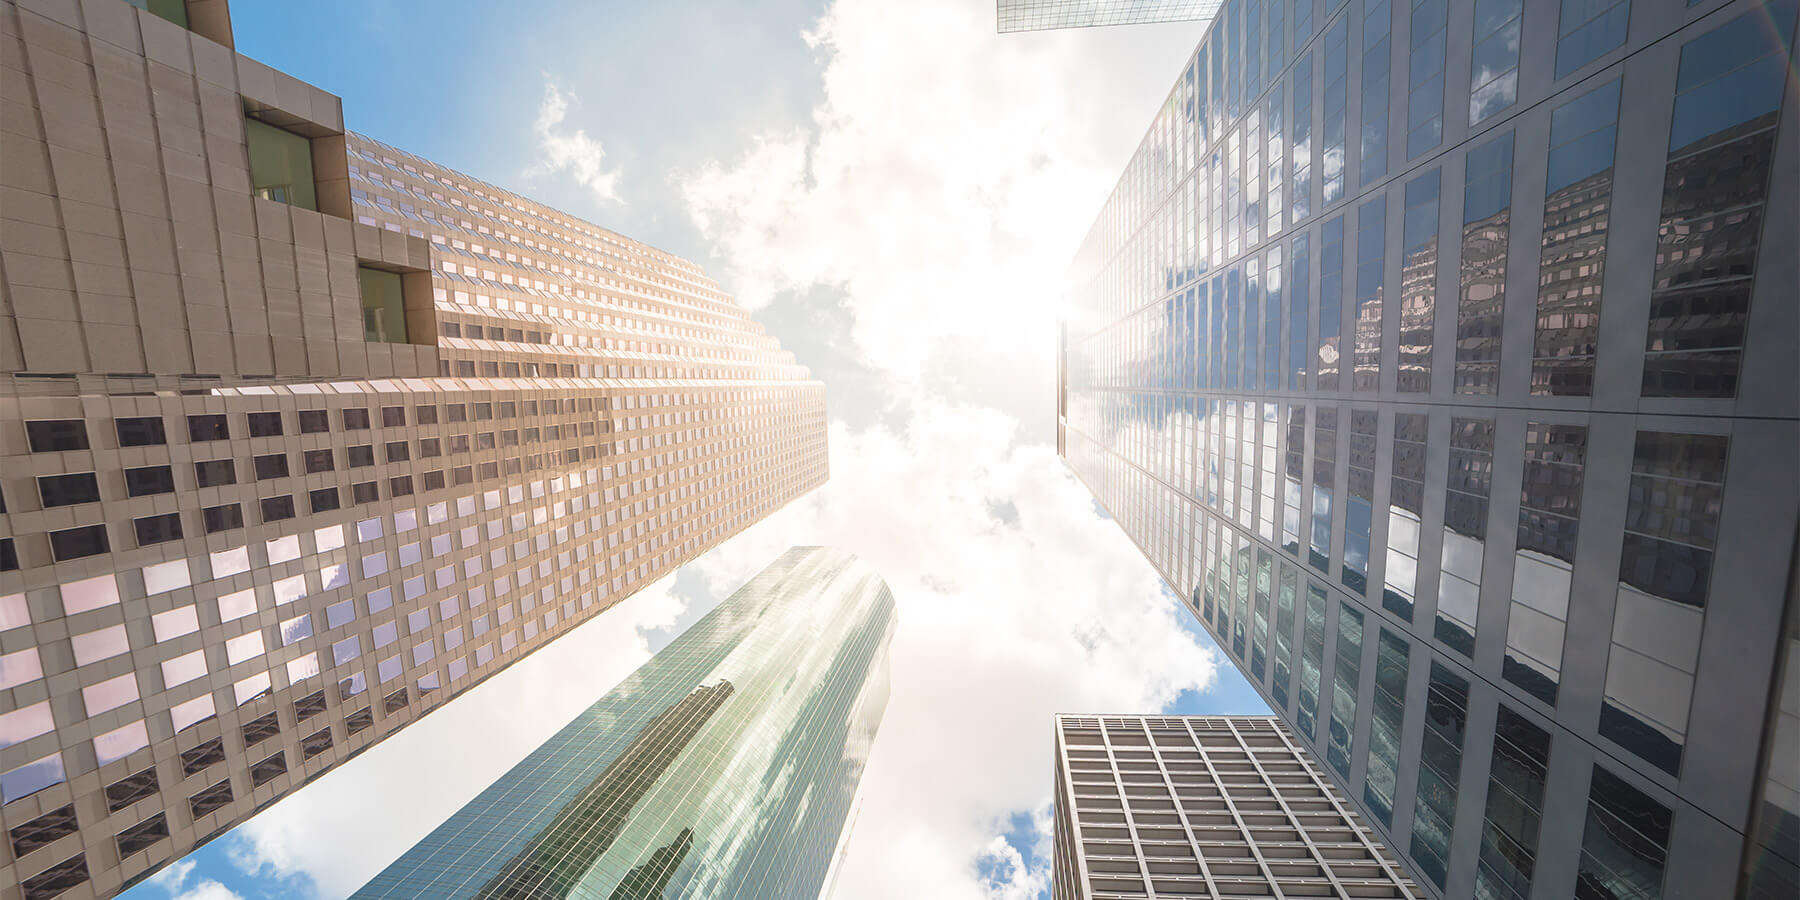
(896, 192)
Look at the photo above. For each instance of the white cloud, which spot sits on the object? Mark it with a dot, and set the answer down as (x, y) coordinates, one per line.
(574, 152)
(210, 890)
(174, 880)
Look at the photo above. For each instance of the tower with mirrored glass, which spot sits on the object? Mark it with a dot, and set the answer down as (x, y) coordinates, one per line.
(726, 766)
(301, 434)
(1440, 353)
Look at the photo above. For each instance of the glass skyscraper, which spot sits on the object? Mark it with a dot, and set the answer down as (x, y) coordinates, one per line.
(1441, 355)
(724, 767)
(1041, 15)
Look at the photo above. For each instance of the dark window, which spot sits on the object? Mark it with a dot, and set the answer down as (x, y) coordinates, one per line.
(1625, 843)
(308, 706)
(359, 720)
(318, 461)
(199, 758)
(208, 428)
(393, 416)
(1440, 758)
(324, 499)
(75, 543)
(268, 770)
(144, 834)
(56, 879)
(146, 431)
(68, 490)
(265, 424)
(261, 729)
(400, 486)
(394, 702)
(143, 482)
(1515, 803)
(51, 435)
(457, 412)
(462, 474)
(459, 443)
(490, 471)
(274, 509)
(356, 419)
(43, 830)
(451, 329)
(157, 529)
(364, 492)
(397, 451)
(360, 455)
(316, 743)
(484, 411)
(131, 789)
(222, 518)
(430, 447)
(434, 479)
(314, 421)
(215, 472)
(273, 465)
(205, 802)
(425, 415)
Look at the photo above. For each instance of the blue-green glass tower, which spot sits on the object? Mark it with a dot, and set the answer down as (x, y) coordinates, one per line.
(724, 767)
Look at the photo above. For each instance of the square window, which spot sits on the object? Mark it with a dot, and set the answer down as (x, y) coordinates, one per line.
(274, 509)
(202, 756)
(356, 419)
(157, 529)
(208, 428)
(265, 424)
(400, 486)
(324, 499)
(308, 706)
(146, 431)
(222, 518)
(430, 447)
(68, 490)
(383, 305)
(261, 729)
(398, 451)
(318, 461)
(53, 435)
(75, 543)
(360, 455)
(130, 789)
(457, 412)
(314, 421)
(148, 480)
(425, 415)
(316, 743)
(273, 465)
(215, 472)
(210, 800)
(434, 480)
(364, 492)
(280, 164)
(359, 720)
(393, 416)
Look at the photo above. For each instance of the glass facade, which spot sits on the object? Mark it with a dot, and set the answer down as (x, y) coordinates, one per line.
(1534, 426)
(726, 766)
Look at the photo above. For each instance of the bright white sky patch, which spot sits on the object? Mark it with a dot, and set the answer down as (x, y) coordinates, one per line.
(571, 151)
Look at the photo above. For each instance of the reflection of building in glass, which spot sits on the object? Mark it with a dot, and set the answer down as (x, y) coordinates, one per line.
(1206, 806)
(1041, 15)
(1531, 569)
(724, 767)
(301, 435)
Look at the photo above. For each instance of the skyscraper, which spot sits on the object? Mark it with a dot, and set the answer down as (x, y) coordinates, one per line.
(1041, 15)
(1440, 355)
(724, 767)
(1206, 806)
(301, 435)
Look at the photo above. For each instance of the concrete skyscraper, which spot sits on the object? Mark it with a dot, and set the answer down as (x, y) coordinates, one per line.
(1206, 806)
(1440, 355)
(725, 767)
(301, 435)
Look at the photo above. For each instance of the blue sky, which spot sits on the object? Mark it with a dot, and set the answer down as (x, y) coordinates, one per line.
(896, 192)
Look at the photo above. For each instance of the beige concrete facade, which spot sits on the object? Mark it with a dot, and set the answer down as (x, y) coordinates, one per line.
(240, 541)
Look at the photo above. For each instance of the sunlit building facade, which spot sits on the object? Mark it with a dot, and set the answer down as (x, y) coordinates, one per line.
(1440, 355)
(301, 435)
(1206, 806)
(725, 767)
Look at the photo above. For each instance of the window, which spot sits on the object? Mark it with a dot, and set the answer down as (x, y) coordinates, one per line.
(43, 830)
(324, 499)
(1301, 136)
(316, 743)
(397, 451)
(1588, 30)
(157, 529)
(1312, 655)
(383, 305)
(261, 729)
(1425, 83)
(68, 490)
(53, 435)
(1487, 219)
(148, 480)
(400, 486)
(393, 416)
(425, 415)
(1624, 844)
(75, 543)
(1494, 63)
(1337, 77)
(126, 791)
(364, 492)
(1465, 532)
(1665, 572)
(216, 472)
(314, 421)
(280, 165)
(1377, 23)
(146, 431)
(273, 465)
(360, 455)
(210, 800)
(317, 461)
(58, 878)
(1515, 804)
(1360, 510)
(1284, 637)
(1346, 681)
(31, 777)
(1544, 564)
(265, 424)
(1324, 485)
(143, 835)
(1440, 767)
(1406, 500)
(274, 509)
(1418, 283)
(1721, 147)
(208, 428)
(1331, 296)
(1572, 265)
(222, 518)
(1387, 724)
